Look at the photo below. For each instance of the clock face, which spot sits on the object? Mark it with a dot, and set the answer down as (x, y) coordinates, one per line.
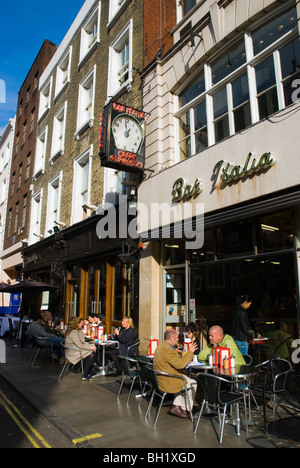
(127, 133)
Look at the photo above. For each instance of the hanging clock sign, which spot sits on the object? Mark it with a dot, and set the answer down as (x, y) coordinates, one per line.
(121, 138)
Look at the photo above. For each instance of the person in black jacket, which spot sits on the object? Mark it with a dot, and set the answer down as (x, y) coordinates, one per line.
(126, 337)
(241, 330)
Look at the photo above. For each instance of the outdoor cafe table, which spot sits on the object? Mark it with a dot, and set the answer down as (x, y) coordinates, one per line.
(237, 375)
(103, 344)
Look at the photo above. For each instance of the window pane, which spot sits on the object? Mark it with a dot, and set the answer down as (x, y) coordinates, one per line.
(201, 140)
(188, 5)
(220, 103)
(200, 115)
(265, 75)
(291, 86)
(240, 90)
(228, 63)
(184, 125)
(268, 103)
(185, 149)
(273, 30)
(193, 90)
(221, 129)
(275, 232)
(221, 108)
(290, 58)
(242, 117)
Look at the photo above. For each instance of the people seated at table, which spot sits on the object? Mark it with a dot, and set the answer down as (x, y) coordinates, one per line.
(37, 330)
(95, 319)
(126, 337)
(191, 333)
(53, 330)
(167, 359)
(75, 337)
(218, 338)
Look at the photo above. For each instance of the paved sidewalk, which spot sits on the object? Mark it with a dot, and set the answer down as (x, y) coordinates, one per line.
(91, 415)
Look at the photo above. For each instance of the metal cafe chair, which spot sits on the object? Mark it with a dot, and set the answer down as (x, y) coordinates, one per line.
(40, 347)
(274, 381)
(131, 351)
(152, 379)
(143, 362)
(67, 363)
(217, 397)
(248, 359)
(128, 371)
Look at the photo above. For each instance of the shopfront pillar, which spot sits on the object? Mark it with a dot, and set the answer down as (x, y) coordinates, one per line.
(149, 295)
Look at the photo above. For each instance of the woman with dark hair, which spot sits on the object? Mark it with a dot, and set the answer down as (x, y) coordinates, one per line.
(241, 330)
(191, 332)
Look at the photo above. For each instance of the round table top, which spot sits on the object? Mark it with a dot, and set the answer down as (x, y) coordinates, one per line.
(238, 371)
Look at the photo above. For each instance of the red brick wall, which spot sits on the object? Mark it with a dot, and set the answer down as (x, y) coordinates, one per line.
(159, 19)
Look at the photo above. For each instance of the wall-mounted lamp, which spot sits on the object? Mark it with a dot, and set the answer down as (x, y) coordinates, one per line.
(192, 38)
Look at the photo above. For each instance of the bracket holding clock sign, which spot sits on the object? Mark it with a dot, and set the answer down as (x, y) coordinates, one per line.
(121, 138)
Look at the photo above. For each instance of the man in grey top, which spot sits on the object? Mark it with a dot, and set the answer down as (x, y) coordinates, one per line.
(37, 330)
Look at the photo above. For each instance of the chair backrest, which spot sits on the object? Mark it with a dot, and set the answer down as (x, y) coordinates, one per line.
(143, 362)
(150, 375)
(126, 364)
(132, 350)
(248, 359)
(279, 368)
(210, 385)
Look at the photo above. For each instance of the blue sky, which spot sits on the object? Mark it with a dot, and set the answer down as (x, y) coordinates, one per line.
(24, 27)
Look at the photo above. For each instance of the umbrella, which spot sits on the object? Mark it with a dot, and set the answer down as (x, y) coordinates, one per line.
(28, 286)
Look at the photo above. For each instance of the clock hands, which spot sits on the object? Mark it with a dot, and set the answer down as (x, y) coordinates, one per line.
(126, 133)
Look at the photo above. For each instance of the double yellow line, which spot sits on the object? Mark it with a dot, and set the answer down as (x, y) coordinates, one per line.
(22, 423)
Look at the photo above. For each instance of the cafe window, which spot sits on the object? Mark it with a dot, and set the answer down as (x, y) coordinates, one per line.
(217, 104)
(241, 103)
(193, 131)
(266, 88)
(290, 68)
(275, 232)
(208, 251)
(221, 122)
(235, 239)
(230, 61)
(273, 30)
(174, 252)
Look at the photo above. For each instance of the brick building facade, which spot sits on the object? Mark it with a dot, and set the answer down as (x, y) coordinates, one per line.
(98, 61)
(23, 157)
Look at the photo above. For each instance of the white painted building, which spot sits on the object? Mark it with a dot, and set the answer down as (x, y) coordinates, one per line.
(6, 147)
(222, 110)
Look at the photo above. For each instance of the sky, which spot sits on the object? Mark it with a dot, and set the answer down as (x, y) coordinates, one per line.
(23, 28)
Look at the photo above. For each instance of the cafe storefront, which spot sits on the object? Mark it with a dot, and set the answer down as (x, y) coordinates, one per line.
(228, 170)
(89, 273)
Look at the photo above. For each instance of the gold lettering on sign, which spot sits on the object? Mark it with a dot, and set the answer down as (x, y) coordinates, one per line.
(227, 172)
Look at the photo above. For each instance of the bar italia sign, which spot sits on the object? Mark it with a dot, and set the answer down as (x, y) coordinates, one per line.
(223, 172)
(227, 172)
(121, 138)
